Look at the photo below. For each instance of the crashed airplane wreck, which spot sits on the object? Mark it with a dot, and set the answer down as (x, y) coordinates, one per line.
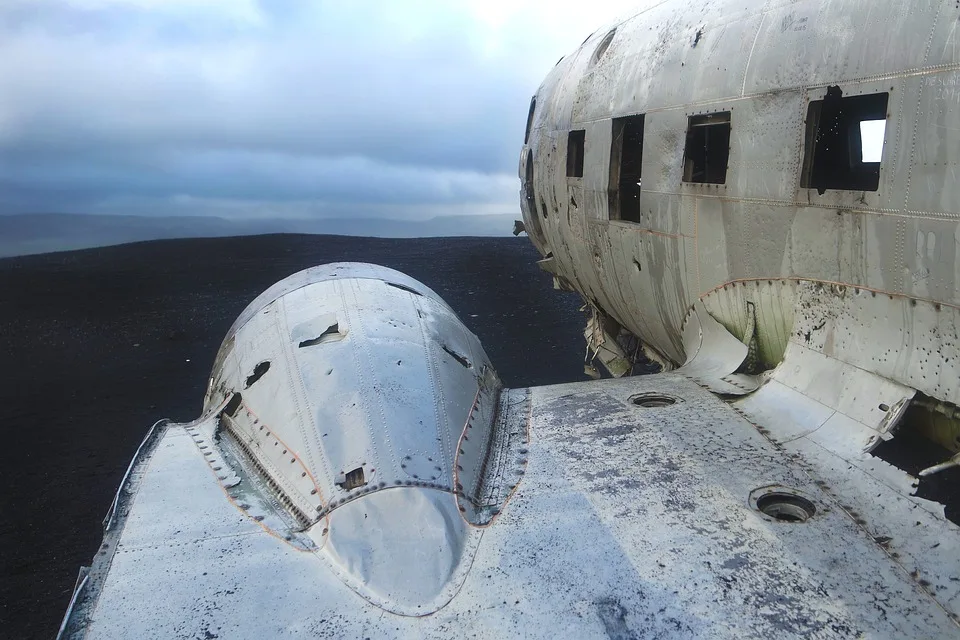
(758, 196)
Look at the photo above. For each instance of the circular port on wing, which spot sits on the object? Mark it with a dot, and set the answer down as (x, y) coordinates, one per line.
(783, 505)
(652, 400)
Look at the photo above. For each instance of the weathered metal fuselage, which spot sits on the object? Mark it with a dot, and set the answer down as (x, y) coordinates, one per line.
(791, 232)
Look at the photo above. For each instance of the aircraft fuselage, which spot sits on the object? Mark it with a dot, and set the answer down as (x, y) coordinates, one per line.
(750, 156)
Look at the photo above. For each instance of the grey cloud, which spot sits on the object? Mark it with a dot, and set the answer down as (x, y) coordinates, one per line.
(322, 104)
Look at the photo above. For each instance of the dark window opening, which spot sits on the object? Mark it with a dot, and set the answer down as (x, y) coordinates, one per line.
(353, 480)
(843, 142)
(626, 155)
(708, 148)
(234, 405)
(575, 144)
(533, 108)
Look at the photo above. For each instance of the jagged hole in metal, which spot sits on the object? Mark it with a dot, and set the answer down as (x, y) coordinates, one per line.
(330, 332)
(258, 372)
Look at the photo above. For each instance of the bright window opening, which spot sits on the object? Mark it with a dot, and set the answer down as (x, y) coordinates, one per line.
(871, 138)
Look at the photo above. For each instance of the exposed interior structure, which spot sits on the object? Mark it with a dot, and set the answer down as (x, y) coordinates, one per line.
(840, 145)
(707, 149)
(575, 149)
(626, 156)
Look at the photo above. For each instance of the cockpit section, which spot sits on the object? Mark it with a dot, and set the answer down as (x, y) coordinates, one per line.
(352, 399)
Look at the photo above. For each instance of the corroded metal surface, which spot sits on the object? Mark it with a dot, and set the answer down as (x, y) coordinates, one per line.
(744, 246)
(631, 521)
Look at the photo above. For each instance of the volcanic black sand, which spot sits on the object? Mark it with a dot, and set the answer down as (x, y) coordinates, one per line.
(96, 345)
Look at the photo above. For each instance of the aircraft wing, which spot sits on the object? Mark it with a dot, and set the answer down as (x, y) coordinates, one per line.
(630, 508)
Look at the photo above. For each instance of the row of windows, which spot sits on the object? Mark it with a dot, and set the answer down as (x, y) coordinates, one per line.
(842, 149)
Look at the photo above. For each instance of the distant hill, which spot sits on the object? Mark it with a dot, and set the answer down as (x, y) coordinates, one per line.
(45, 232)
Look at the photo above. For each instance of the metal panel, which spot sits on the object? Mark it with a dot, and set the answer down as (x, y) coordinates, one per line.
(663, 141)
(713, 268)
(596, 176)
(660, 213)
(903, 335)
(673, 59)
(931, 261)
(838, 256)
(756, 237)
(764, 136)
(943, 44)
(883, 238)
(713, 354)
(936, 159)
(635, 280)
(808, 43)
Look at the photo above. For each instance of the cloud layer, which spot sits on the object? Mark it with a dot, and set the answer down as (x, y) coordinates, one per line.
(284, 107)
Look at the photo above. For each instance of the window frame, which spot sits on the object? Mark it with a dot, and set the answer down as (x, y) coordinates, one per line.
(576, 150)
(822, 171)
(719, 124)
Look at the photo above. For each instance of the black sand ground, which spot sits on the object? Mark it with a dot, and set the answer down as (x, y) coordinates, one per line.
(96, 345)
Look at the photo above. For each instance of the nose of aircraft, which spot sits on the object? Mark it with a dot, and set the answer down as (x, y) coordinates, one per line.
(348, 387)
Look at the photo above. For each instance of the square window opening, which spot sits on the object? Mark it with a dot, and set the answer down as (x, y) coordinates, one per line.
(626, 156)
(707, 148)
(575, 144)
(872, 133)
(843, 145)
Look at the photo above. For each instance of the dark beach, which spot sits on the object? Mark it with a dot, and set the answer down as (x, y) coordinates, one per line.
(96, 345)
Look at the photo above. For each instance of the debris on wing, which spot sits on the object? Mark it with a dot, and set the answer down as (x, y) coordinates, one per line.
(602, 345)
(714, 355)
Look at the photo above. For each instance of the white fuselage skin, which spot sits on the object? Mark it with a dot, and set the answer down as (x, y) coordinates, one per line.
(749, 244)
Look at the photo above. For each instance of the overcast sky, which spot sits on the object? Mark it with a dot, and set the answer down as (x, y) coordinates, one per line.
(279, 108)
